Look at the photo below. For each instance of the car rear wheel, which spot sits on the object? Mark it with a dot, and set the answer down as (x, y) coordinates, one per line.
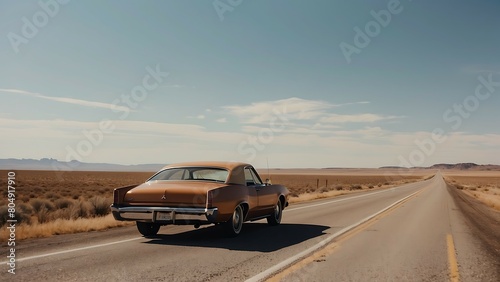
(234, 225)
(147, 228)
(275, 218)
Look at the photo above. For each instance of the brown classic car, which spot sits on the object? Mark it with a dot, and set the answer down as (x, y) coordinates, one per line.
(198, 193)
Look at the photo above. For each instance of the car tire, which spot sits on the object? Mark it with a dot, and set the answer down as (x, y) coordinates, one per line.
(275, 217)
(234, 225)
(147, 229)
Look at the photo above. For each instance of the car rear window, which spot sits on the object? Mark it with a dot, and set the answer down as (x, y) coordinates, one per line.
(192, 173)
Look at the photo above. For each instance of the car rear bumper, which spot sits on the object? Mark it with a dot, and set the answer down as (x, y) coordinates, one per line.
(165, 215)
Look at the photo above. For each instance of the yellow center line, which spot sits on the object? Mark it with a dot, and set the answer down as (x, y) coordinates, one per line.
(452, 259)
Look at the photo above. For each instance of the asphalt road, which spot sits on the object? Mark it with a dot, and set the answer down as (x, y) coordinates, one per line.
(423, 238)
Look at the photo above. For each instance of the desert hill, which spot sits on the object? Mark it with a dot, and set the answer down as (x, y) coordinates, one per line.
(53, 164)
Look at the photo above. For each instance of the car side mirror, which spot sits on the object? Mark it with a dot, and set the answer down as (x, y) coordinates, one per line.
(268, 182)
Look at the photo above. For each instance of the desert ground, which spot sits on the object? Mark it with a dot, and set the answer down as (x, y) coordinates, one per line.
(50, 203)
(482, 185)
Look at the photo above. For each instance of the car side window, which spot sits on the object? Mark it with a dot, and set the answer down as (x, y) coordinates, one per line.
(251, 177)
(255, 177)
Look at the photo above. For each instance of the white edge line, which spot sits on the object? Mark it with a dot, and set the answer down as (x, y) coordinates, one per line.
(72, 250)
(275, 269)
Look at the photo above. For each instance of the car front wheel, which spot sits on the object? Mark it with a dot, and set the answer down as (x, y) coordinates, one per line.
(234, 225)
(147, 228)
(275, 218)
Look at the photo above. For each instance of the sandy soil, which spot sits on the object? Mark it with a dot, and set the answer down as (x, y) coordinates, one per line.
(482, 185)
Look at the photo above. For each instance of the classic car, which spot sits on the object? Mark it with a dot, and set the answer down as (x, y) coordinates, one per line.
(200, 193)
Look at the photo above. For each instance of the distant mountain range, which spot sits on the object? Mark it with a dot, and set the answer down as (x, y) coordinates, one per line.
(466, 166)
(53, 164)
(459, 166)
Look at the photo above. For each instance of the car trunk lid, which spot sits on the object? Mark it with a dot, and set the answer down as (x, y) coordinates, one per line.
(171, 193)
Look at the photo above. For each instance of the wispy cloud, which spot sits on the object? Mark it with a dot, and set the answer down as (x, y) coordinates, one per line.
(291, 108)
(128, 128)
(360, 118)
(197, 117)
(73, 101)
(297, 109)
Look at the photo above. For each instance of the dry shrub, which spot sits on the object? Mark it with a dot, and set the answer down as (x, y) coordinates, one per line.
(23, 217)
(43, 215)
(324, 190)
(64, 203)
(41, 204)
(61, 214)
(25, 208)
(100, 205)
(80, 209)
(356, 187)
(53, 196)
(23, 213)
(42, 209)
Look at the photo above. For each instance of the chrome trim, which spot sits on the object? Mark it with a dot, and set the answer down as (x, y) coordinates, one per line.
(179, 215)
(206, 211)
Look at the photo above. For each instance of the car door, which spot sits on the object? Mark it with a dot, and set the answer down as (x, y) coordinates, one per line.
(266, 197)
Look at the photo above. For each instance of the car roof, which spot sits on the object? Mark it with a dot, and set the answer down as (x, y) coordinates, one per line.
(221, 164)
(236, 169)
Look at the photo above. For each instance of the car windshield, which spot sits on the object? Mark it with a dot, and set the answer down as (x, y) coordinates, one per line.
(192, 173)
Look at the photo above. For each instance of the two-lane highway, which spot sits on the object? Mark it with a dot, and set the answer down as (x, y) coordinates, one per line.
(409, 242)
(425, 239)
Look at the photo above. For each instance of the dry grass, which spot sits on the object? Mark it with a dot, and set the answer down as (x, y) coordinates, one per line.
(47, 204)
(63, 226)
(314, 196)
(482, 185)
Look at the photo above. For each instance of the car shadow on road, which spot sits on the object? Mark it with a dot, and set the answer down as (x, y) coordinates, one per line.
(254, 237)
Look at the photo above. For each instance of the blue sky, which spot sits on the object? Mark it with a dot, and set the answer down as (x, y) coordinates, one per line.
(167, 81)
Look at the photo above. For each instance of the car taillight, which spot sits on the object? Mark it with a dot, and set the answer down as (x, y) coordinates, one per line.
(115, 196)
(209, 199)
